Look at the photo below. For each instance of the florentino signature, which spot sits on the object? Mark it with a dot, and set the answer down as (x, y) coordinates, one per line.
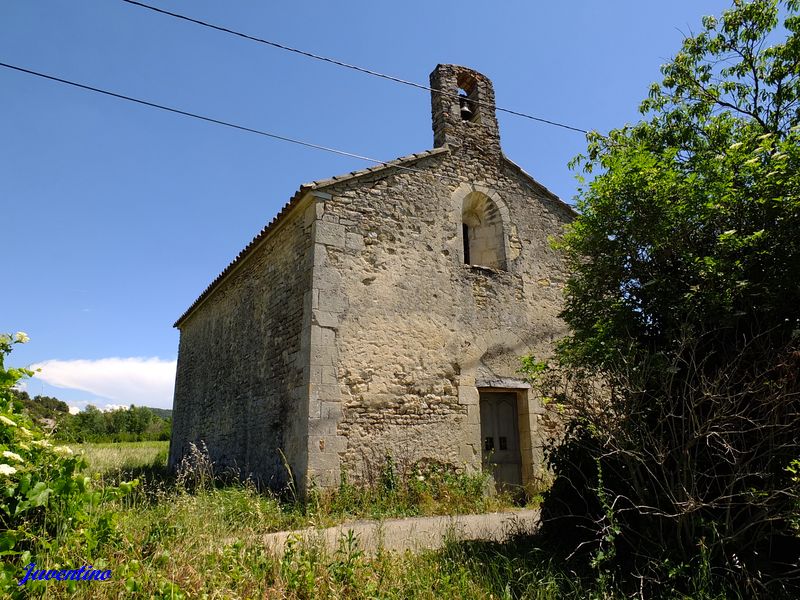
(83, 574)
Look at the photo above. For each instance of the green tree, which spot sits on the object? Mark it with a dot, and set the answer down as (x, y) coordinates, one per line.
(693, 220)
(682, 392)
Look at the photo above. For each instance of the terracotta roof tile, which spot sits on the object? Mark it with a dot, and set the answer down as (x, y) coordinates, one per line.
(301, 192)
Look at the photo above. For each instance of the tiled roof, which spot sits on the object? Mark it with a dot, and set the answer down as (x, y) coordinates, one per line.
(538, 185)
(293, 201)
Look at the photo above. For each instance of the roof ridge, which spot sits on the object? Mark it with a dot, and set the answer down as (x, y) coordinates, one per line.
(542, 188)
(374, 169)
(288, 207)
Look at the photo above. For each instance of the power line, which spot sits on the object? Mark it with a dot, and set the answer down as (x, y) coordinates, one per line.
(345, 65)
(209, 119)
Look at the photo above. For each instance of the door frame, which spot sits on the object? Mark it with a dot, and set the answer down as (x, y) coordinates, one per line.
(525, 427)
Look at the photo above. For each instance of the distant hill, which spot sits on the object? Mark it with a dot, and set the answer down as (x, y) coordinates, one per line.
(164, 413)
(41, 407)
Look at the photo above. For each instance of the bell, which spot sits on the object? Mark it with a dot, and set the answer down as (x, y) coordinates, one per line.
(466, 111)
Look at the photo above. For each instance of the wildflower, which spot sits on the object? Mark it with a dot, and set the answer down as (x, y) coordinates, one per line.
(25, 446)
(25, 432)
(7, 421)
(12, 455)
(21, 337)
(7, 470)
(63, 450)
(420, 477)
(41, 443)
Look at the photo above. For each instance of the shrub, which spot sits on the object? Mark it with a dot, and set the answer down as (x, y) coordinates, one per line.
(680, 377)
(44, 497)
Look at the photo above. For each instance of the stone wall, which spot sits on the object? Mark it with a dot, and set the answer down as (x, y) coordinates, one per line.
(410, 332)
(242, 375)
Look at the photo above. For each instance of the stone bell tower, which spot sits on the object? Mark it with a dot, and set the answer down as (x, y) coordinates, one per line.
(463, 109)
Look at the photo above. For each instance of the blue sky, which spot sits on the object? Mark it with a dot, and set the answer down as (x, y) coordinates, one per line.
(116, 216)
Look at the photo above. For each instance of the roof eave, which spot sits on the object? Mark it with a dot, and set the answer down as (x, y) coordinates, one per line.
(305, 190)
(539, 186)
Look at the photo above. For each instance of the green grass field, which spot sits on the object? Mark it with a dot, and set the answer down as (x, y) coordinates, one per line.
(104, 458)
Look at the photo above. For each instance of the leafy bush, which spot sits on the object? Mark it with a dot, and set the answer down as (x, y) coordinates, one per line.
(679, 378)
(45, 499)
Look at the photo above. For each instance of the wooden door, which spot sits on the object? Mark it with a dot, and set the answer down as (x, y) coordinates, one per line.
(500, 438)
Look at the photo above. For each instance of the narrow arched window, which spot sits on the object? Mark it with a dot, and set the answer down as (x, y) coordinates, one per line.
(482, 230)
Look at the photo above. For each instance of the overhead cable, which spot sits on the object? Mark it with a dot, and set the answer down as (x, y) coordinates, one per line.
(345, 65)
(213, 120)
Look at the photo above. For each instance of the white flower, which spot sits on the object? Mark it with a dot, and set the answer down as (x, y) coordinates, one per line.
(7, 421)
(63, 450)
(21, 337)
(7, 470)
(25, 446)
(420, 478)
(25, 432)
(12, 455)
(41, 443)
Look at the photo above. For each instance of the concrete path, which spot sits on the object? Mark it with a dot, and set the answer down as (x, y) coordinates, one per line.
(416, 533)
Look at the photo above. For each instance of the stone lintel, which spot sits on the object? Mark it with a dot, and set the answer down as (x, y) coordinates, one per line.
(503, 383)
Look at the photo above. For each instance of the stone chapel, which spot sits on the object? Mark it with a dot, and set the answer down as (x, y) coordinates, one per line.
(383, 313)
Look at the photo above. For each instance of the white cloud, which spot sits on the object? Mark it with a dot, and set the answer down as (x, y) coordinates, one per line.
(74, 410)
(140, 381)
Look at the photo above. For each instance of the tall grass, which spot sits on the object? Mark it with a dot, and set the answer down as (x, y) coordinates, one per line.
(189, 538)
(109, 457)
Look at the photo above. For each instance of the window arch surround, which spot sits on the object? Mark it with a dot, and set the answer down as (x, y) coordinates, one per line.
(484, 226)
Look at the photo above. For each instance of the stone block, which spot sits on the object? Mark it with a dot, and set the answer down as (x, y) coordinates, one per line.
(323, 478)
(323, 375)
(325, 393)
(325, 319)
(469, 454)
(314, 407)
(468, 395)
(310, 215)
(320, 257)
(327, 448)
(332, 302)
(354, 241)
(329, 234)
(474, 414)
(320, 336)
(324, 356)
(327, 279)
(331, 410)
(320, 428)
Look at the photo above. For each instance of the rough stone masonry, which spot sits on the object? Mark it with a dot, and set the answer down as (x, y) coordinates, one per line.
(383, 313)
